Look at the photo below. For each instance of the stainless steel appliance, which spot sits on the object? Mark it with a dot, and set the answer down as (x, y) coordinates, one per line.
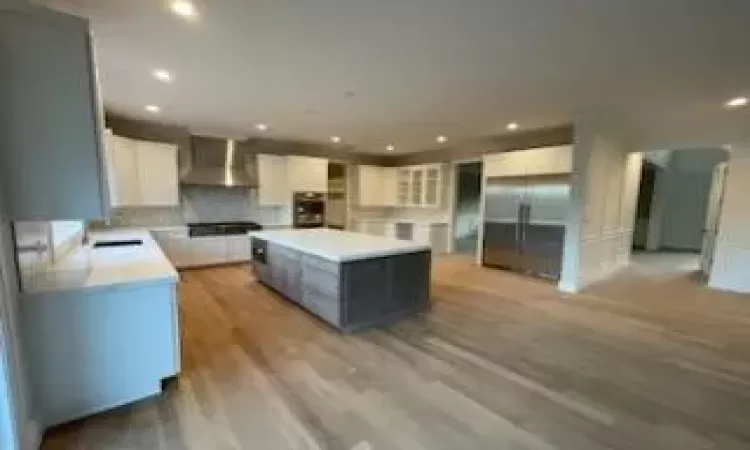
(524, 228)
(309, 210)
(221, 228)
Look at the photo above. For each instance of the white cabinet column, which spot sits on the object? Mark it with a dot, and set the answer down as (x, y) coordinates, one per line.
(307, 174)
(157, 174)
(273, 180)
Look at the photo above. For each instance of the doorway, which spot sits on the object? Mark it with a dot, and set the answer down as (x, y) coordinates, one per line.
(466, 212)
(677, 194)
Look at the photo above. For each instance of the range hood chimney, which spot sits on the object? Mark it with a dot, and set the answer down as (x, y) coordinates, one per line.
(220, 162)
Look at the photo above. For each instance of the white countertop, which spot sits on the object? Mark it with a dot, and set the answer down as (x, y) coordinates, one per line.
(87, 268)
(339, 246)
(422, 222)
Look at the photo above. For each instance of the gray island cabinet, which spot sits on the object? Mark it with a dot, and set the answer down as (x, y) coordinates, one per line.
(350, 280)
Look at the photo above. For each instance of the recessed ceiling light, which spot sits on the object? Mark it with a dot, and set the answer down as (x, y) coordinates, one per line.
(163, 75)
(512, 126)
(335, 139)
(737, 102)
(153, 108)
(441, 139)
(261, 126)
(390, 147)
(184, 8)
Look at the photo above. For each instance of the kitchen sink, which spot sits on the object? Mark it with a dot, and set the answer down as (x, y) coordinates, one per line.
(123, 243)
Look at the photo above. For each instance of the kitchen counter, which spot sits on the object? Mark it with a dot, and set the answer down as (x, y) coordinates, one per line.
(89, 268)
(101, 326)
(340, 246)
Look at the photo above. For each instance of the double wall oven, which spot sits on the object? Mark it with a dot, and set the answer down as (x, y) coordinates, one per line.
(309, 210)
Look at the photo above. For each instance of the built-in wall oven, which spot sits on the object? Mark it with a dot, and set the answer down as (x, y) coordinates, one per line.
(309, 210)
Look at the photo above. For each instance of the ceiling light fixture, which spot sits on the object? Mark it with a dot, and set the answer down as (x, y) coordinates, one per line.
(184, 8)
(335, 139)
(261, 127)
(163, 75)
(737, 102)
(512, 126)
(153, 109)
(441, 139)
(390, 147)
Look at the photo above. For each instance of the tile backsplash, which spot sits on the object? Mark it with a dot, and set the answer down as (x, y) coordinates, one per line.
(205, 204)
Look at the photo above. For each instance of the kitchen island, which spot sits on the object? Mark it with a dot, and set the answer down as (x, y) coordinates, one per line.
(350, 280)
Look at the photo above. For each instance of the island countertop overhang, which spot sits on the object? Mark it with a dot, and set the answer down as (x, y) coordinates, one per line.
(339, 246)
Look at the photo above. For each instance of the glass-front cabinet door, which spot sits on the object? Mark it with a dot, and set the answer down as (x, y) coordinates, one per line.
(432, 186)
(417, 186)
(403, 179)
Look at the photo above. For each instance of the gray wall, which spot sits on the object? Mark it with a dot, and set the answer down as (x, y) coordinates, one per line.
(684, 190)
(562, 135)
(140, 129)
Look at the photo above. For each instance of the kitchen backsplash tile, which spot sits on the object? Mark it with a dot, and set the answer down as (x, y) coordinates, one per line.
(205, 204)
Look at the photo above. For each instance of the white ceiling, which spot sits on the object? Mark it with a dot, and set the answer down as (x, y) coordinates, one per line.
(420, 68)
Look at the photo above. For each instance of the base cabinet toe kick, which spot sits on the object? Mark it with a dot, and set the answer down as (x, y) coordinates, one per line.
(349, 295)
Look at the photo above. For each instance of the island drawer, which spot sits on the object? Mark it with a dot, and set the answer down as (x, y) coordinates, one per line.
(322, 304)
(321, 264)
(320, 280)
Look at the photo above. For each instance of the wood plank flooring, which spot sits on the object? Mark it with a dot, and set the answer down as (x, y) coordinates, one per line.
(500, 362)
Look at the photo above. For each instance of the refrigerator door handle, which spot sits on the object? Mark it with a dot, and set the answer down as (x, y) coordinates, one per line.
(526, 219)
(519, 223)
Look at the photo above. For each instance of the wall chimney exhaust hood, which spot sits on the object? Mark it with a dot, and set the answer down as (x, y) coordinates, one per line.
(220, 162)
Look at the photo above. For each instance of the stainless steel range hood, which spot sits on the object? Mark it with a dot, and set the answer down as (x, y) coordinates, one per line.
(220, 162)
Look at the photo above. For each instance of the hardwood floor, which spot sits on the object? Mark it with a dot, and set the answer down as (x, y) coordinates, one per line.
(501, 362)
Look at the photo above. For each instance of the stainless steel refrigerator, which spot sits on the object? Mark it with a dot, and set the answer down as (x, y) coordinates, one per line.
(524, 227)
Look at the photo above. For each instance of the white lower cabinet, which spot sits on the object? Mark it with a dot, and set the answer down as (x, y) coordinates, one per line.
(185, 252)
(238, 248)
(433, 233)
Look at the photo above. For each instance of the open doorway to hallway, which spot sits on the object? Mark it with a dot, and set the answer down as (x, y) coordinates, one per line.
(679, 201)
(466, 211)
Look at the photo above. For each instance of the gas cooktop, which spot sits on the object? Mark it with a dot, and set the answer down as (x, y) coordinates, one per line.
(221, 228)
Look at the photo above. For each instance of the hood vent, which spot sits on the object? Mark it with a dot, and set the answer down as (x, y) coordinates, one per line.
(220, 162)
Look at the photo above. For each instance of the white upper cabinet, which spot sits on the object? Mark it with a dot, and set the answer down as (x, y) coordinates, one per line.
(536, 161)
(403, 186)
(122, 171)
(413, 186)
(419, 186)
(273, 180)
(307, 174)
(377, 186)
(141, 173)
(158, 178)
(389, 177)
(432, 184)
(52, 162)
(370, 186)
